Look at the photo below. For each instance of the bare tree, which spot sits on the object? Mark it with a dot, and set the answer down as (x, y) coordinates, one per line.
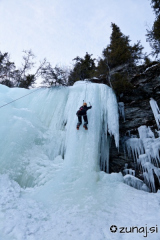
(25, 76)
(54, 76)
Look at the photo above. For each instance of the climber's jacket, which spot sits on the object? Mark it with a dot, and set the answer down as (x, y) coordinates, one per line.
(83, 110)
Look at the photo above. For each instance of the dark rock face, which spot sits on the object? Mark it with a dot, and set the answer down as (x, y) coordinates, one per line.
(146, 85)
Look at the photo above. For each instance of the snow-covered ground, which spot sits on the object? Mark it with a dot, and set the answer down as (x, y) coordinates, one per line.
(51, 186)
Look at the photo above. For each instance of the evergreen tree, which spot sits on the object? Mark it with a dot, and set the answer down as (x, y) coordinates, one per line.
(147, 60)
(153, 35)
(53, 76)
(136, 53)
(84, 68)
(102, 68)
(119, 51)
(156, 6)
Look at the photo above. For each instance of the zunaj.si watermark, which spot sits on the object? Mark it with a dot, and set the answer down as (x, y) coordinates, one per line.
(145, 230)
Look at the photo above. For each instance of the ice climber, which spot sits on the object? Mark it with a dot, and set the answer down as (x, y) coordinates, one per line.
(83, 112)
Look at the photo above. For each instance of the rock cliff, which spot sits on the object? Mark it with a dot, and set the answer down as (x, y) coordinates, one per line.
(145, 82)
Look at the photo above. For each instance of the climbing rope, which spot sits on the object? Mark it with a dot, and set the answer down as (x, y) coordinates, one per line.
(19, 98)
(85, 92)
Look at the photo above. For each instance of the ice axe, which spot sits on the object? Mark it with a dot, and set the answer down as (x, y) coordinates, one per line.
(89, 102)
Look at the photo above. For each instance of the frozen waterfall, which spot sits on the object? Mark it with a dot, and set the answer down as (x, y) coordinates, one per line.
(51, 186)
(39, 131)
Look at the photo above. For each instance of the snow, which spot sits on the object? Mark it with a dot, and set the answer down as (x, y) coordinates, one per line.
(50, 179)
(150, 67)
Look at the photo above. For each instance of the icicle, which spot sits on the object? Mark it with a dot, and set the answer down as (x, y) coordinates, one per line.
(143, 158)
(104, 161)
(146, 151)
(156, 111)
(134, 147)
(150, 143)
(121, 110)
(148, 175)
(145, 132)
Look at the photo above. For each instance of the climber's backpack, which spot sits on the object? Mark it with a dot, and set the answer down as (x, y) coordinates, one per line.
(81, 111)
